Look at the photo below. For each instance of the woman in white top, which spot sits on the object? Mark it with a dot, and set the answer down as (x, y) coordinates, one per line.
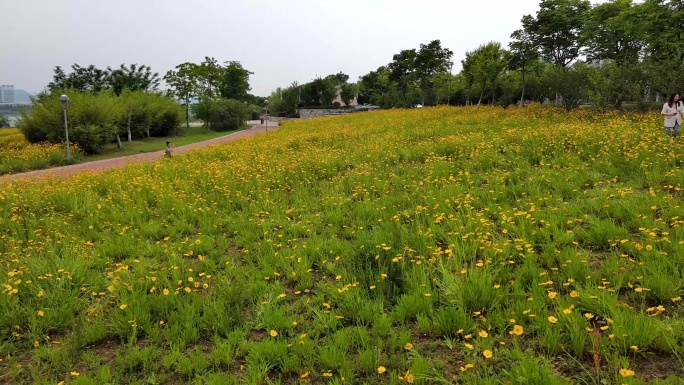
(672, 111)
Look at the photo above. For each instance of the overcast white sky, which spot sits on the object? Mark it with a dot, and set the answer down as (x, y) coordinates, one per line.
(281, 41)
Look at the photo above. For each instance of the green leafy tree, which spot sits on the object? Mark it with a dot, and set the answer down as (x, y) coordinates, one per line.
(663, 23)
(81, 79)
(234, 82)
(403, 71)
(614, 32)
(184, 85)
(557, 29)
(430, 60)
(348, 92)
(521, 53)
(134, 78)
(483, 66)
(572, 84)
(374, 86)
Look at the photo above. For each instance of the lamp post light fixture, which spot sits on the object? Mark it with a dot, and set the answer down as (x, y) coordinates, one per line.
(266, 106)
(65, 101)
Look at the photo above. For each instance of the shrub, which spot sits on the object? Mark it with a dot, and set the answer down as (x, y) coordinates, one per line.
(94, 120)
(87, 112)
(150, 114)
(222, 114)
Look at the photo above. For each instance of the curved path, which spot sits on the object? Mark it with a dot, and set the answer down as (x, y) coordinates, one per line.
(101, 165)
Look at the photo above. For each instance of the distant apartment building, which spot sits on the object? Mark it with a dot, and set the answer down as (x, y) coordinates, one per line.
(6, 93)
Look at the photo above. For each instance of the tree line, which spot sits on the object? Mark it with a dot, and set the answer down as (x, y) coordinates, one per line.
(125, 102)
(570, 52)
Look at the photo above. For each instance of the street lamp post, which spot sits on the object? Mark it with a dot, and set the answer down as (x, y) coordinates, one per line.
(266, 106)
(65, 101)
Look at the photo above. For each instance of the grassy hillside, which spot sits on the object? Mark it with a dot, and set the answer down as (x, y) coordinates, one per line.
(478, 245)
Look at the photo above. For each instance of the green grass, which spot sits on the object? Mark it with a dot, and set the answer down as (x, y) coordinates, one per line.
(440, 245)
(188, 135)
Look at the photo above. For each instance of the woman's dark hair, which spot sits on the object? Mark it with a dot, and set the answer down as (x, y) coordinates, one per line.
(671, 102)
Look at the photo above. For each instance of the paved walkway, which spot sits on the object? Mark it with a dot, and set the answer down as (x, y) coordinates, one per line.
(102, 165)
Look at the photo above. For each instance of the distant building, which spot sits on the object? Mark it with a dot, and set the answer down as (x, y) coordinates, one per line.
(6, 93)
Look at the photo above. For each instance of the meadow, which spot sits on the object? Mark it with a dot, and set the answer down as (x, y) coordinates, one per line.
(439, 245)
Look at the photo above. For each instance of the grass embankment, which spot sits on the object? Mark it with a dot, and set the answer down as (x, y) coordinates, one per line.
(17, 155)
(478, 245)
(189, 135)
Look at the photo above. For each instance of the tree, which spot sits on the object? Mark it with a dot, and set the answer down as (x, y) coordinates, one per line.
(134, 78)
(430, 60)
(483, 66)
(347, 93)
(614, 32)
(572, 83)
(184, 84)
(374, 85)
(402, 71)
(234, 81)
(521, 52)
(208, 75)
(557, 29)
(81, 79)
(664, 29)
(4, 122)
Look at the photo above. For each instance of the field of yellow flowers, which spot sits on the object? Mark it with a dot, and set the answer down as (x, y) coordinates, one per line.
(440, 245)
(18, 155)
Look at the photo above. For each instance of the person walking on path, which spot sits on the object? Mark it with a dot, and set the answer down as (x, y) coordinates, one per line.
(262, 119)
(672, 112)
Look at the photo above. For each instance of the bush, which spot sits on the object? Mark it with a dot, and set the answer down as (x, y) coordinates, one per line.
(91, 137)
(222, 114)
(94, 120)
(86, 112)
(150, 115)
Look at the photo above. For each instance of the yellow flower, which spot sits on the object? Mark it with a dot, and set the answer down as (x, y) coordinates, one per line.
(626, 373)
(487, 354)
(588, 316)
(381, 369)
(409, 378)
(274, 333)
(305, 375)
(567, 311)
(469, 346)
(552, 319)
(408, 346)
(552, 294)
(327, 374)
(123, 306)
(574, 294)
(166, 291)
(40, 313)
(483, 334)
(634, 347)
(75, 374)
(517, 330)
